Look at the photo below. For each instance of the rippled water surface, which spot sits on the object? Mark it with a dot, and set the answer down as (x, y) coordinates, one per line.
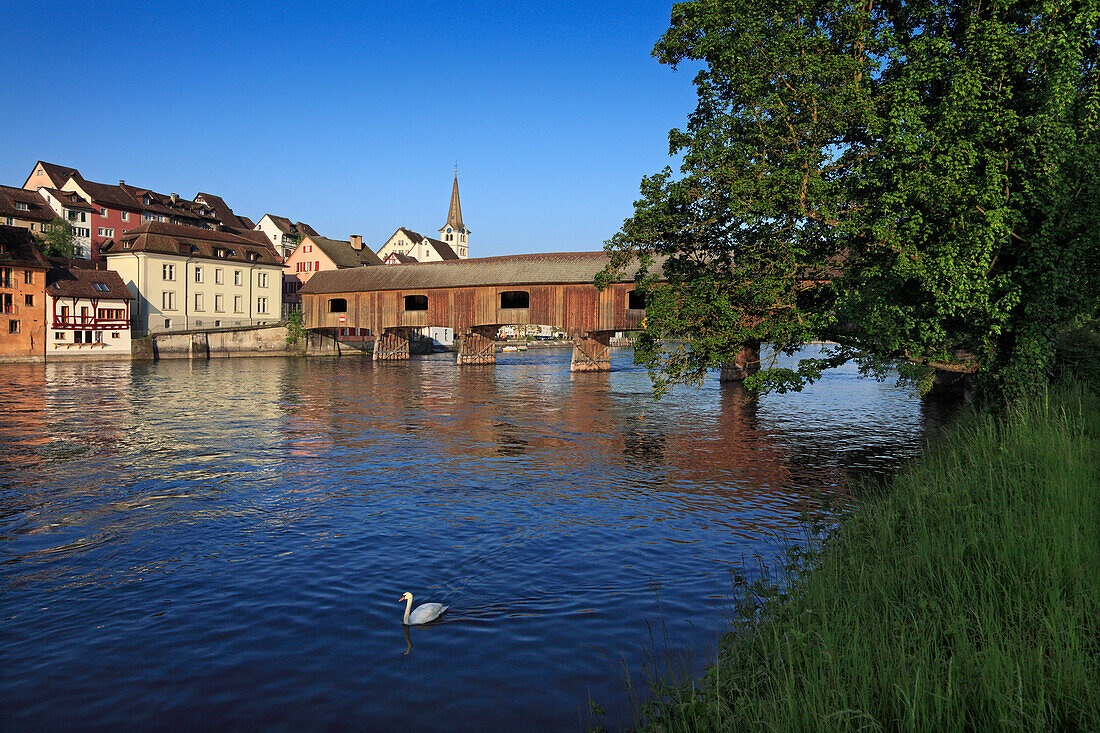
(223, 544)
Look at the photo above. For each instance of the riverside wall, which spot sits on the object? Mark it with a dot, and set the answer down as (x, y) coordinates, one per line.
(216, 343)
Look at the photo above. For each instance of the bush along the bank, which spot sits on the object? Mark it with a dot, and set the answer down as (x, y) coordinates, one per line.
(967, 597)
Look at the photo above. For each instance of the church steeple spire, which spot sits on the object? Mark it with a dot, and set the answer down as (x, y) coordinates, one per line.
(454, 214)
(454, 232)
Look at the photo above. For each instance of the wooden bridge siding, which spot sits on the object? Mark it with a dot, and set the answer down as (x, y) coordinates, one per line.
(575, 309)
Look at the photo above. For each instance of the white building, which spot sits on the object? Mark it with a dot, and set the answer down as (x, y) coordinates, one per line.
(187, 278)
(405, 245)
(87, 315)
(73, 208)
(284, 234)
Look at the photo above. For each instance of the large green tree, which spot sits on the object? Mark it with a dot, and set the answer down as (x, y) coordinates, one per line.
(916, 181)
(59, 239)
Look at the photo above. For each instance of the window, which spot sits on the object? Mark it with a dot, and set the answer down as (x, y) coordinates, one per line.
(59, 335)
(416, 302)
(11, 222)
(261, 305)
(237, 278)
(101, 287)
(28, 300)
(515, 299)
(317, 266)
(83, 216)
(115, 334)
(168, 272)
(219, 303)
(198, 301)
(13, 326)
(168, 300)
(261, 279)
(167, 322)
(218, 275)
(126, 216)
(307, 248)
(238, 303)
(78, 337)
(103, 212)
(149, 217)
(106, 232)
(99, 337)
(337, 305)
(198, 274)
(5, 277)
(22, 206)
(635, 300)
(28, 277)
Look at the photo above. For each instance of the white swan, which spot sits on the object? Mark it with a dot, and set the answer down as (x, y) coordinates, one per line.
(424, 613)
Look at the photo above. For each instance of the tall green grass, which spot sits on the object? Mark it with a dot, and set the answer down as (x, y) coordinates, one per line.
(966, 597)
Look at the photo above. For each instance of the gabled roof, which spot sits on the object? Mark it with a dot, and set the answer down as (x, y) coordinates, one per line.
(173, 239)
(223, 212)
(65, 282)
(57, 174)
(402, 259)
(248, 223)
(37, 208)
(442, 248)
(296, 229)
(342, 253)
(19, 248)
(72, 199)
(536, 269)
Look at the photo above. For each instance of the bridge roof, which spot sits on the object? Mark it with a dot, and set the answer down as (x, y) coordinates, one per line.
(534, 269)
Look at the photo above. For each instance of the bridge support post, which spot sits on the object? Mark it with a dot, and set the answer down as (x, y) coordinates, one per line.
(392, 345)
(745, 363)
(476, 346)
(592, 353)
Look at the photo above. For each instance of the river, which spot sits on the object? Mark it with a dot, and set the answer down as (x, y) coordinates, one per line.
(222, 544)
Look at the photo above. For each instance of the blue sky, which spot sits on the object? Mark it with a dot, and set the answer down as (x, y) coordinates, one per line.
(351, 117)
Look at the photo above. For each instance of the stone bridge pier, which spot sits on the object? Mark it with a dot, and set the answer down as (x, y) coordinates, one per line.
(392, 345)
(746, 362)
(477, 346)
(592, 352)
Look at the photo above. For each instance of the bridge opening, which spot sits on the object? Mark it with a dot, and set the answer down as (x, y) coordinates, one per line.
(416, 302)
(515, 299)
(338, 305)
(635, 301)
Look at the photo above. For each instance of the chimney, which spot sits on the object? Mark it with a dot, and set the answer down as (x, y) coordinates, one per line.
(175, 198)
(356, 242)
(121, 182)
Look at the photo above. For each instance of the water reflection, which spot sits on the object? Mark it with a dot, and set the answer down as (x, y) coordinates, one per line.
(207, 540)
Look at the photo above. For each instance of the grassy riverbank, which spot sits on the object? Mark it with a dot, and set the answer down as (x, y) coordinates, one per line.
(965, 597)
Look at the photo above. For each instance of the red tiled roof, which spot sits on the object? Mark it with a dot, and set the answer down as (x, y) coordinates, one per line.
(72, 199)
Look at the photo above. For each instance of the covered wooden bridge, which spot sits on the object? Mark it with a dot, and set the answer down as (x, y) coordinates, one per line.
(476, 297)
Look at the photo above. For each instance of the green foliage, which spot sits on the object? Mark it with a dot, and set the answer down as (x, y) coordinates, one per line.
(294, 329)
(963, 598)
(59, 239)
(916, 181)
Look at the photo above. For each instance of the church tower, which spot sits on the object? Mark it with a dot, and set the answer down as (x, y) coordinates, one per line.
(454, 232)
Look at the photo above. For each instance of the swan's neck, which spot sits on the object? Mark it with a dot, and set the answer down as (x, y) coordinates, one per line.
(408, 609)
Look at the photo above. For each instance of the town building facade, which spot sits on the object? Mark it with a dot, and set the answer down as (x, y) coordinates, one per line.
(22, 296)
(284, 234)
(73, 208)
(87, 314)
(406, 246)
(25, 209)
(186, 278)
(317, 254)
(115, 209)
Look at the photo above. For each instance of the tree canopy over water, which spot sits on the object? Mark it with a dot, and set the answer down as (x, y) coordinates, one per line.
(917, 181)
